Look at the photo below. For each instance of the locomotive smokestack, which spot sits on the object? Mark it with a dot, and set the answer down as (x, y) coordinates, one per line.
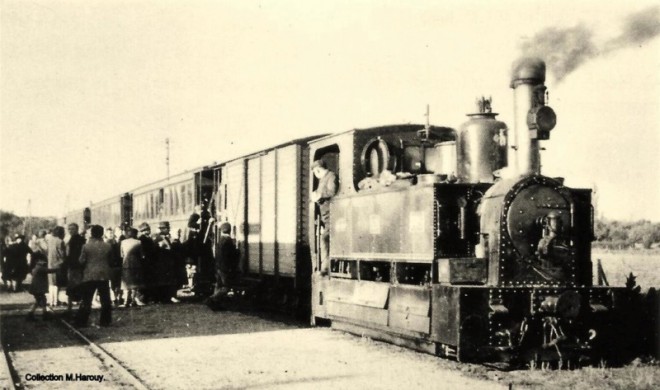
(533, 120)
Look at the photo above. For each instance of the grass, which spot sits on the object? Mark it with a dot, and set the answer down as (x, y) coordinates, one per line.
(634, 376)
(619, 264)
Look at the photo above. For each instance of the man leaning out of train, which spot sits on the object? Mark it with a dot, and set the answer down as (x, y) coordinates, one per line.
(326, 189)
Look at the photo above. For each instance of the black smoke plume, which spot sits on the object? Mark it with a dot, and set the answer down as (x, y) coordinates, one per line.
(637, 28)
(563, 50)
(566, 49)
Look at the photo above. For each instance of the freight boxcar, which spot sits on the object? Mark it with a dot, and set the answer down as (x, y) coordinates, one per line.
(265, 198)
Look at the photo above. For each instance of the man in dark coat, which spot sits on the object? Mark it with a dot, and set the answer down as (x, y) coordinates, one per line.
(115, 264)
(95, 259)
(326, 189)
(200, 247)
(149, 261)
(181, 277)
(72, 265)
(194, 232)
(16, 263)
(226, 261)
(165, 267)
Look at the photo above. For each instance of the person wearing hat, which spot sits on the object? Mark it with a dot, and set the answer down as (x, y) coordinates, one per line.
(116, 265)
(226, 264)
(200, 246)
(326, 189)
(149, 260)
(165, 267)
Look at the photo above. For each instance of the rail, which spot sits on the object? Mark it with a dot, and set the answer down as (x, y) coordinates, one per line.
(106, 359)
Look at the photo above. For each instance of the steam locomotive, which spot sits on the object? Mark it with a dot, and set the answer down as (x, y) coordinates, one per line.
(442, 240)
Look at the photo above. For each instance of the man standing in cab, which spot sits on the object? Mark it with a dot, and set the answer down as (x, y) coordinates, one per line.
(326, 189)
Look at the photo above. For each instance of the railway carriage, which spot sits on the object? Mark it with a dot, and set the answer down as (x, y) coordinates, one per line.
(172, 199)
(113, 212)
(81, 217)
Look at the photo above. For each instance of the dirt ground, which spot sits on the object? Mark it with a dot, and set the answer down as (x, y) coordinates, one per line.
(183, 346)
(189, 346)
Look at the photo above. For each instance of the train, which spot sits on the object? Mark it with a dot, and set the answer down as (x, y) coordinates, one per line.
(444, 240)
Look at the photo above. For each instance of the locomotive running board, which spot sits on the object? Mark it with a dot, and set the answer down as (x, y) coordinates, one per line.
(386, 336)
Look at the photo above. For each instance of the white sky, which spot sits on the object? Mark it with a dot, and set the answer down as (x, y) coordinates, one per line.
(89, 90)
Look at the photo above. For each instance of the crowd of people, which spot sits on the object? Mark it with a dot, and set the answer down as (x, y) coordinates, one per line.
(130, 267)
(123, 266)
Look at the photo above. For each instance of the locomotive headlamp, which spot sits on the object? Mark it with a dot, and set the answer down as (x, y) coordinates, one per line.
(542, 119)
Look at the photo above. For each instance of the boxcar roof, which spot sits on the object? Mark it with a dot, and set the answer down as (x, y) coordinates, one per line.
(382, 130)
(297, 141)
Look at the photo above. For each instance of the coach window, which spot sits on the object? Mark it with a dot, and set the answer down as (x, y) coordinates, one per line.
(145, 206)
(154, 204)
(170, 201)
(136, 207)
(181, 200)
(189, 196)
(175, 201)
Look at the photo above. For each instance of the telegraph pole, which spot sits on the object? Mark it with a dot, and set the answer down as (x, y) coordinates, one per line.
(29, 215)
(66, 208)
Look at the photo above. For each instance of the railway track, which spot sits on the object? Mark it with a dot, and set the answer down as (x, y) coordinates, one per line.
(115, 373)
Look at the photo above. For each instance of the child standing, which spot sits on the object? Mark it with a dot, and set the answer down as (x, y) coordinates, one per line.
(39, 285)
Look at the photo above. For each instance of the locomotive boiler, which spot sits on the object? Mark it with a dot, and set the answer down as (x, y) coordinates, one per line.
(454, 243)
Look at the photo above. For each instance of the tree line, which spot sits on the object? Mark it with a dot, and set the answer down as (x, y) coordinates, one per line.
(609, 234)
(11, 224)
